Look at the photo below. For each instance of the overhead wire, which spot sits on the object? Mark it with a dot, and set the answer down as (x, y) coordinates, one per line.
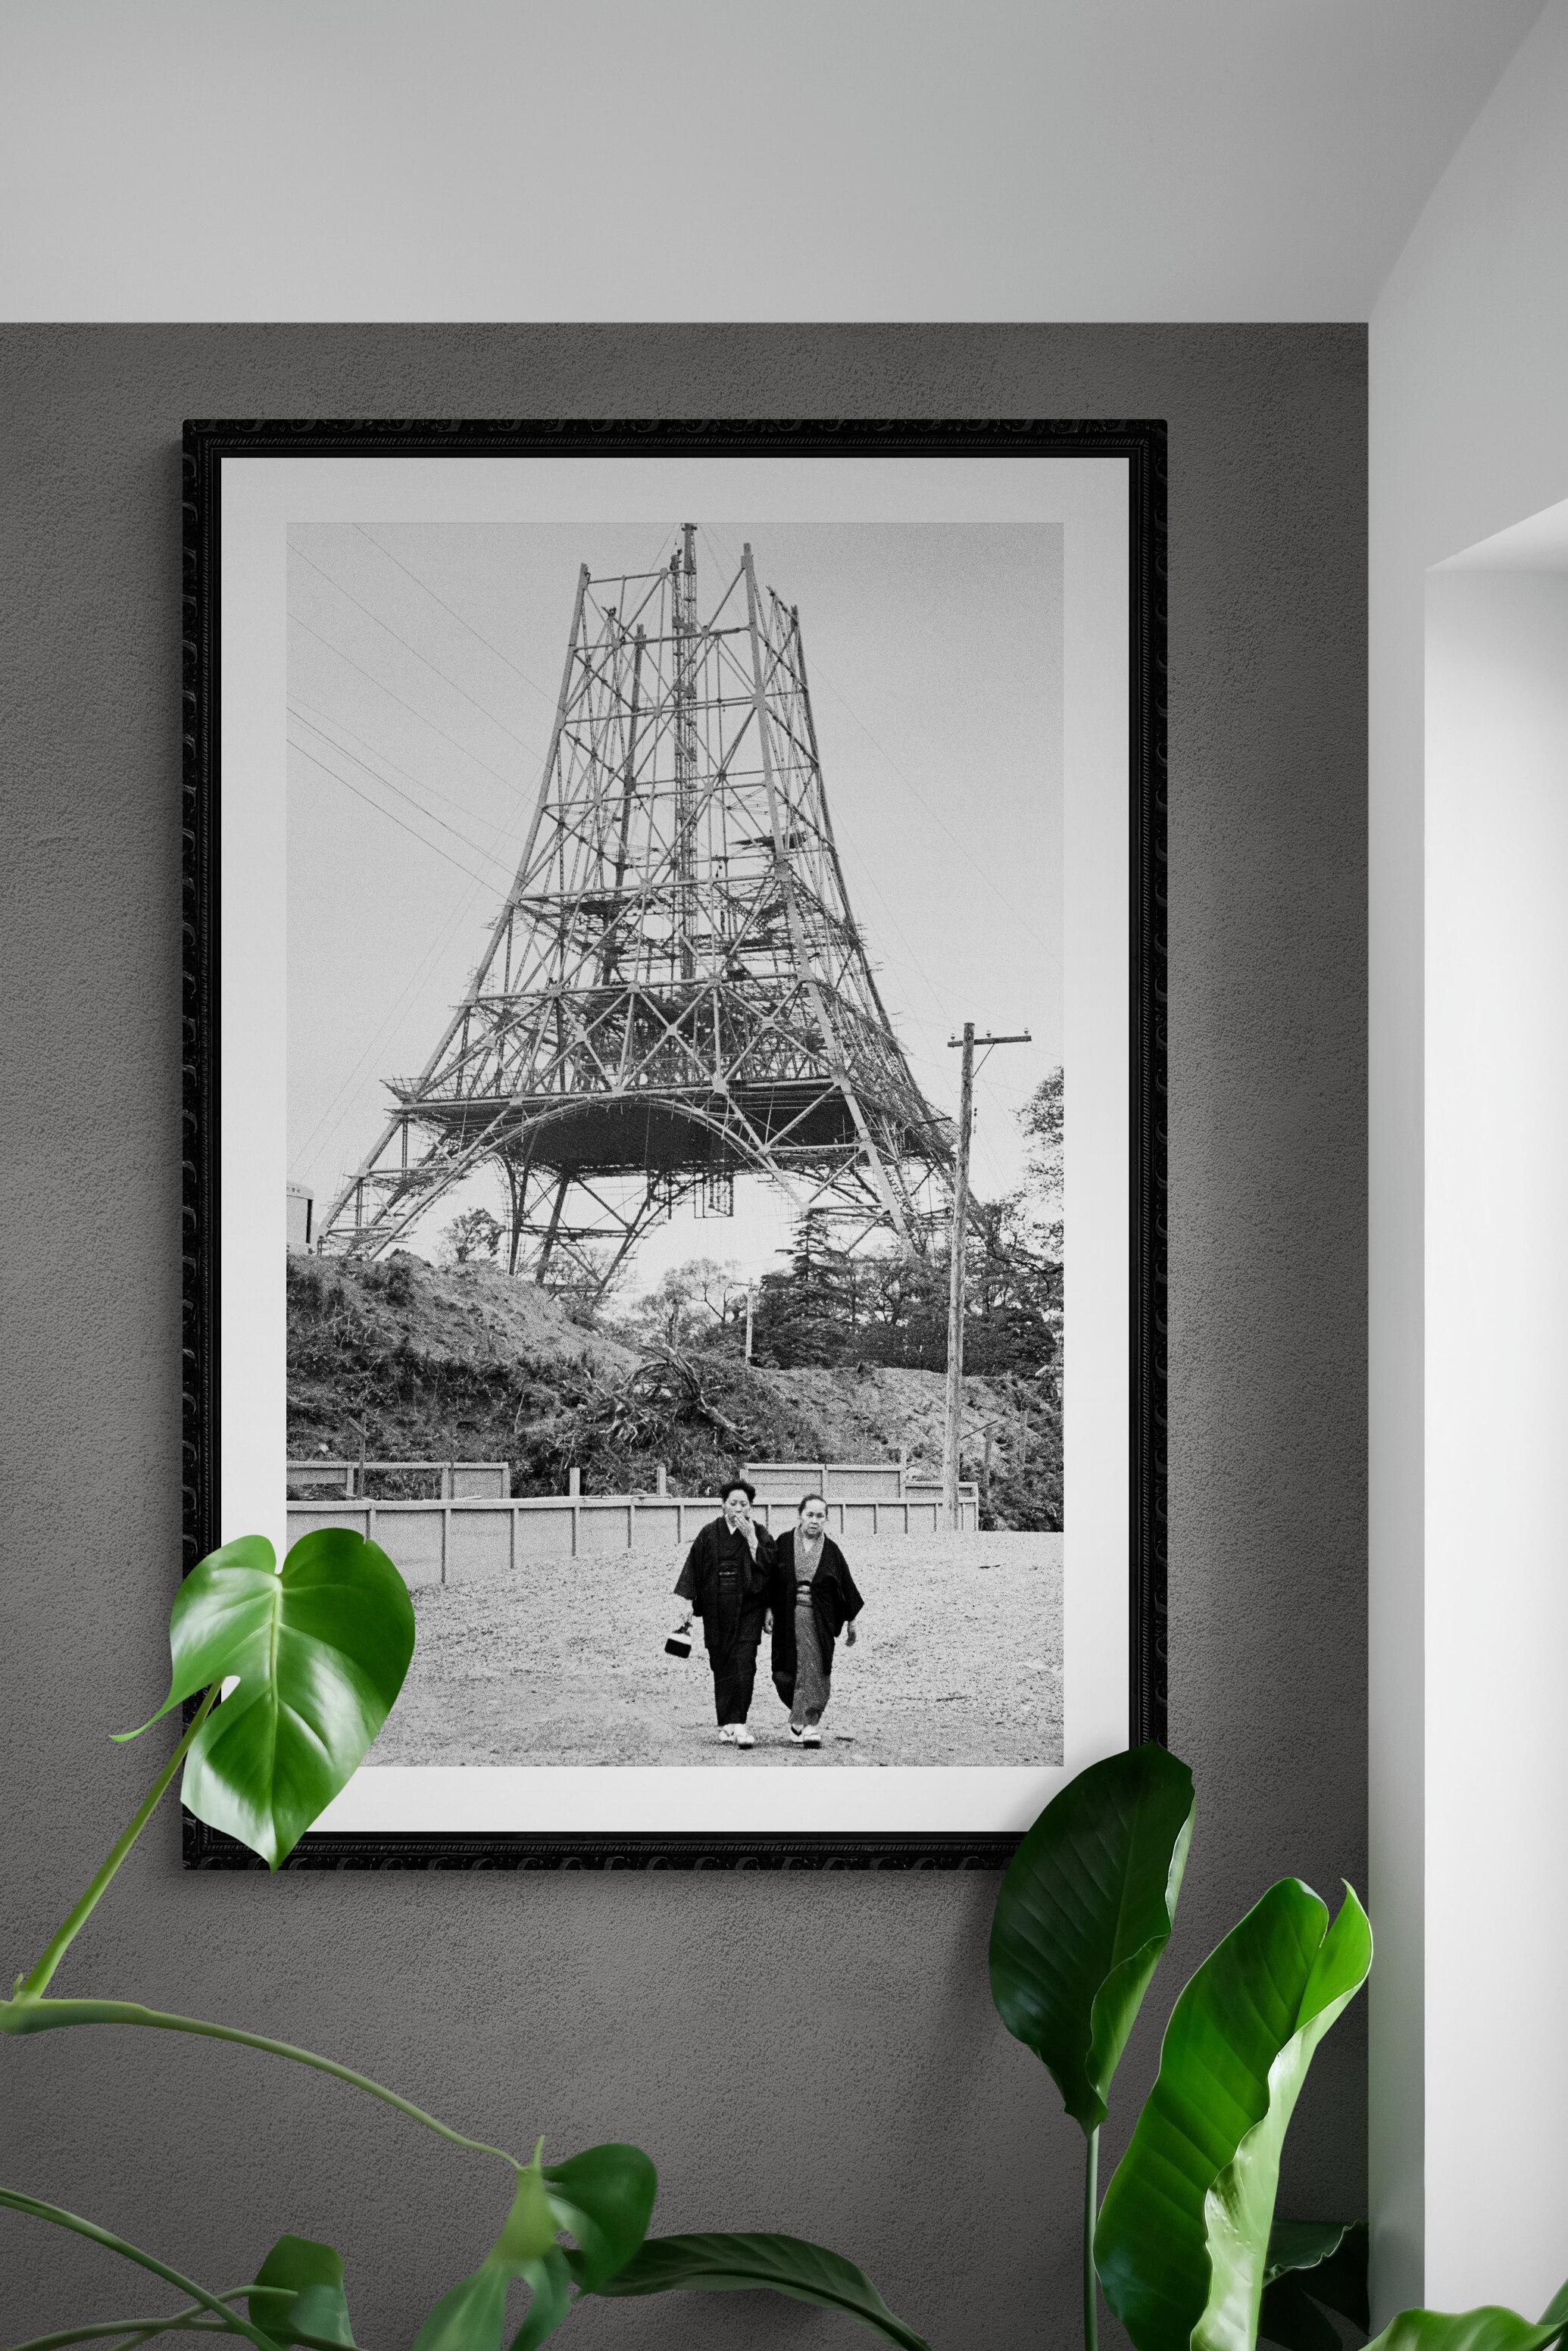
(382, 548)
(327, 1125)
(333, 1116)
(433, 847)
(435, 667)
(324, 1131)
(989, 880)
(337, 1108)
(299, 621)
(1000, 896)
(315, 718)
(386, 783)
(930, 1055)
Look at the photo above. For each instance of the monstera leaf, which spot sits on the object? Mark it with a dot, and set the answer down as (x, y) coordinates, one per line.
(1085, 1910)
(603, 2197)
(317, 1651)
(307, 2300)
(1182, 2245)
(787, 2265)
(1313, 2267)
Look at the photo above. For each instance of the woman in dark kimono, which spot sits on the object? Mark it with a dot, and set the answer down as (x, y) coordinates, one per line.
(814, 1600)
(726, 1579)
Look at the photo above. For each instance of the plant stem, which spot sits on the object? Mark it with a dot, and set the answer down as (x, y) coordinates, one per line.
(39, 2210)
(32, 1986)
(138, 2331)
(196, 2320)
(142, 2330)
(1090, 2210)
(26, 2016)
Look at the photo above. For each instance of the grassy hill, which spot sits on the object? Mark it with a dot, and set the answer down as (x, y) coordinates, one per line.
(468, 1364)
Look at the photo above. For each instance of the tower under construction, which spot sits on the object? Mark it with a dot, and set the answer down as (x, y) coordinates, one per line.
(675, 990)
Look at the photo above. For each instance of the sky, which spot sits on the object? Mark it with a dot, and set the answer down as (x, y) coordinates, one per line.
(425, 660)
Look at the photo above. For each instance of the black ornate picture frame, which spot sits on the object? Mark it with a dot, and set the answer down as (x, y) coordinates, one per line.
(215, 1100)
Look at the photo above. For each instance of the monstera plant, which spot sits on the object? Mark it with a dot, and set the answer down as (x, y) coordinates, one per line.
(1186, 2246)
(291, 1673)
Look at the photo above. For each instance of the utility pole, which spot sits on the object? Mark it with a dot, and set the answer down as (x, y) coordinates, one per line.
(967, 1043)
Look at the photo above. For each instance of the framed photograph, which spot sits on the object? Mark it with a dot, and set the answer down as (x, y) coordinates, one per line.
(675, 1111)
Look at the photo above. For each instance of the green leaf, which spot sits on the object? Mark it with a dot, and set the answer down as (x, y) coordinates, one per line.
(469, 2316)
(1488, 2329)
(1313, 2266)
(551, 2281)
(1182, 2243)
(1083, 1913)
(528, 2233)
(204, 1637)
(786, 2265)
(603, 2197)
(1337, 2251)
(321, 1652)
(313, 2276)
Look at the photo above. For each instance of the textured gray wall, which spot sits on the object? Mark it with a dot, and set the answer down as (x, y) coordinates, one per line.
(815, 2054)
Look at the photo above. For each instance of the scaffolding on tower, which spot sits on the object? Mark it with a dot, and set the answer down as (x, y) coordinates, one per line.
(676, 991)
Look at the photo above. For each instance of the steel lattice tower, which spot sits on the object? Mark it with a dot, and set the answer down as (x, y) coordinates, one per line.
(675, 989)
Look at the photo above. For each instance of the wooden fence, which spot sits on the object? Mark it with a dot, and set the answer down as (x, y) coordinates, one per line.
(463, 1543)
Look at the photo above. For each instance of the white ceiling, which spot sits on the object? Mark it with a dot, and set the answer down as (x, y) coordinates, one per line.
(727, 159)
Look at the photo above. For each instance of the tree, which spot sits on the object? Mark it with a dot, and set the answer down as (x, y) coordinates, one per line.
(811, 1313)
(475, 1234)
(690, 1304)
(906, 1321)
(1044, 1122)
(1013, 1291)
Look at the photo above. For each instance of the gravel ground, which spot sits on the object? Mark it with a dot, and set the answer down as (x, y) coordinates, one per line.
(958, 1661)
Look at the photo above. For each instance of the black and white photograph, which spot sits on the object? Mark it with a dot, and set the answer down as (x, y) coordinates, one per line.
(626, 1049)
(670, 922)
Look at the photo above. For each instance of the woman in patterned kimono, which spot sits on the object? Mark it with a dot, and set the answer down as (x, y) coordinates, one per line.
(814, 1600)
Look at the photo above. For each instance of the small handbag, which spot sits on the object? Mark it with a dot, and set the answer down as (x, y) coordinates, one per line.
(679, 1644)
